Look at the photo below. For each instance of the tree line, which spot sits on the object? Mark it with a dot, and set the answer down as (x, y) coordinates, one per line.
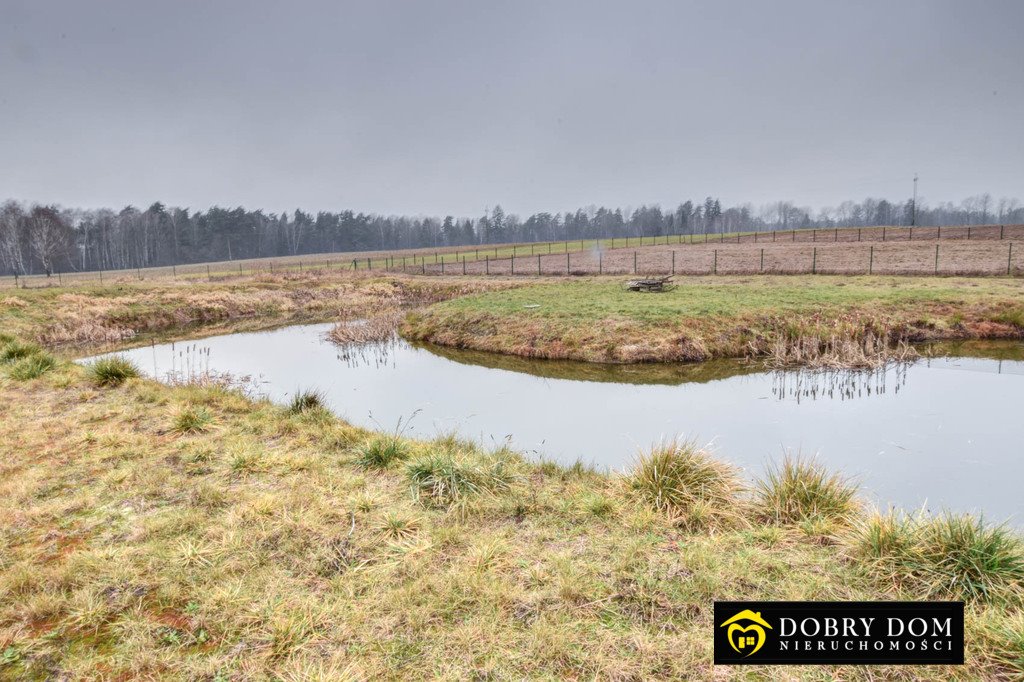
(48, 239)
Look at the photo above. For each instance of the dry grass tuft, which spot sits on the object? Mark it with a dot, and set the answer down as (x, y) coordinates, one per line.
(696, 490)
(112, 371)
(954, 556)
(442, 480)
(801, 490)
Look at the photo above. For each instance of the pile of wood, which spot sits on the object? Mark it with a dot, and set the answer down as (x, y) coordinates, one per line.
(650, 284)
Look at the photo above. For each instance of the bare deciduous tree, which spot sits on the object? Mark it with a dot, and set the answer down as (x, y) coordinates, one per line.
(49, 236)
(12, 246)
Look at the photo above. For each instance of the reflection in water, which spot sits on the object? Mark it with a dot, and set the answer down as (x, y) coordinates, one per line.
(943, 431)
(369, 354)
(841, 384)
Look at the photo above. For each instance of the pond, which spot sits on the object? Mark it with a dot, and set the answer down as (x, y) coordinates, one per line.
(944, 433)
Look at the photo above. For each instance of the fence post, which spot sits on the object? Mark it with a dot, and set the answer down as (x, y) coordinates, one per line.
(939, 232)
(794, 235)
(762, 260)
(911, 233)
(442, 267)
(773, 235)
(836, 238)
(487, 264)
(463, 265)
(968, 233)
(138, 271)
(369, 264)
(871, 259)
(423, 264)
(814, 261)
(673, 262)
(567, 262)
(1001, 232)
(208, 279)
(60, 280)
(600, 263)
(1009, 258)
(634, 262)
(883, 233)
(858, 234)
(174, 271)
(936, 259)
(538, 265)
(814, 235)
(101, 278)
(714, 268)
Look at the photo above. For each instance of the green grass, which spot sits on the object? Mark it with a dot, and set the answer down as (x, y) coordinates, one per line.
(31, 367)
(193, 419)
(704, 317)
(112, 371)
(382, 452)
(13, 350)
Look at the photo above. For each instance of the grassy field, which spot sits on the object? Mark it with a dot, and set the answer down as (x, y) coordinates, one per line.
(190, 532)
(596, 320)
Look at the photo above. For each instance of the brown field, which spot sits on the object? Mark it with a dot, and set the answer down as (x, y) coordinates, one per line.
(963, 250)
(931, 257)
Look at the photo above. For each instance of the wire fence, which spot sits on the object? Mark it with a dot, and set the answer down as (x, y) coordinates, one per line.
(952, 250)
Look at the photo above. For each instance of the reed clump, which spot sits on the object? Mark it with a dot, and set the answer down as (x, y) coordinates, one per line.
(869, 350)
(373, 329)
(685, 482)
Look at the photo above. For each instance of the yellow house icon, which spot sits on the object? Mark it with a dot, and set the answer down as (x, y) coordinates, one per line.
(750, 637)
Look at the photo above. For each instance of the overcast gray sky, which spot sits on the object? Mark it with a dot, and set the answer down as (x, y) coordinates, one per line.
(450, 107)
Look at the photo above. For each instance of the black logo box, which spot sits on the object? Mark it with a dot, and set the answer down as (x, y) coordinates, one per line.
(899, 646)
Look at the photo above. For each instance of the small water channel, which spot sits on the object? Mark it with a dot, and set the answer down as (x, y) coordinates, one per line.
(945, 432)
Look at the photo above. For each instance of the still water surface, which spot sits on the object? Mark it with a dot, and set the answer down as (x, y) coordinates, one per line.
(944, 433)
